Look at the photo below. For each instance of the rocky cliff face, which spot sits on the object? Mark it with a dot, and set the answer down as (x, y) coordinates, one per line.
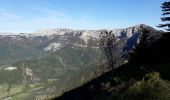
(28, 45)
(64, 59)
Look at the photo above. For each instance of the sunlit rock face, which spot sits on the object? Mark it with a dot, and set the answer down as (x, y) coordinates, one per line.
(62, 59)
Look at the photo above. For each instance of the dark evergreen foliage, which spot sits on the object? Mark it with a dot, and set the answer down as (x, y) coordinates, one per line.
(166, 11)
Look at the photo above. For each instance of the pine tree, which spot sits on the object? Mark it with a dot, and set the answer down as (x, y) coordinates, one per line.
(166, 11)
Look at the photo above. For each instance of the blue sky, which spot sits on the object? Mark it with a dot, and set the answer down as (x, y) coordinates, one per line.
(31, 15)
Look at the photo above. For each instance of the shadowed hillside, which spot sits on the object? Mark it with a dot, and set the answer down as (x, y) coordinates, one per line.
(145, 76)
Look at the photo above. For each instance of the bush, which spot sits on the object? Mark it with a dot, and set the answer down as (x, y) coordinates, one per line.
(151, 87)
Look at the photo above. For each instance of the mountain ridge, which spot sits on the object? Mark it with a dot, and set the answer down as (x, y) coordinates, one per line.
(37, 43)
(52, 31)
(69, 59)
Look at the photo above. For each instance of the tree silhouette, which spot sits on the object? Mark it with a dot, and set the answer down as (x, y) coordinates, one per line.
(166, 11)
(107, 46)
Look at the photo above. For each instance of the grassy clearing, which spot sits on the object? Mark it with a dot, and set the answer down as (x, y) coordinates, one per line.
(14, 90)
(17, 91)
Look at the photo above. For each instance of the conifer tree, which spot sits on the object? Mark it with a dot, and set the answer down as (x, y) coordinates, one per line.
(166, 18)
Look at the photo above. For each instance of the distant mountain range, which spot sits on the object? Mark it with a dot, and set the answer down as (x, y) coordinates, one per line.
(70, 57)
(19, 46)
